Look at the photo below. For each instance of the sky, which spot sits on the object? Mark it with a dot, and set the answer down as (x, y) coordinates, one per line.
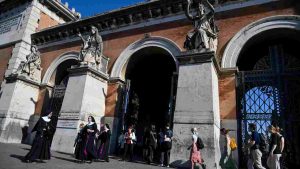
(91, 7)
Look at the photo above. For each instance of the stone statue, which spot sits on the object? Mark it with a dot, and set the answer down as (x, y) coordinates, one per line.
(205, 31)
(92, 48)
(32, 65)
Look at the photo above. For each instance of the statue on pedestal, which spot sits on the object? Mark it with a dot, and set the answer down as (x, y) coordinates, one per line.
(204, 34)
(92, 48)
(32, 66)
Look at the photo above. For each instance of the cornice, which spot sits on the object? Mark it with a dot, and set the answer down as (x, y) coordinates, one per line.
(133, 17)
(62, 9)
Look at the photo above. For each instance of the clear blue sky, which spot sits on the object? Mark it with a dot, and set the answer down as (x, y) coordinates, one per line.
(91, 7)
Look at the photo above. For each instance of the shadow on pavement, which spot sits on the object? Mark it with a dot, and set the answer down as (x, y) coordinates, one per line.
(21, 158)
(66, 159)
(25, 148)
(17, 156)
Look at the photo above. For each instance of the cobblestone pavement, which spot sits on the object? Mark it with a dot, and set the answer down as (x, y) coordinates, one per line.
(11, 155)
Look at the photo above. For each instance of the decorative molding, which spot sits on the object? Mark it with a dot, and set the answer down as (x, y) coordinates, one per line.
(66, 56)
(114, 80)
(14, 78)
(62, 10)
(236, 44)
(196, 57)
(88, 70)
(164, 43)
(204, 56)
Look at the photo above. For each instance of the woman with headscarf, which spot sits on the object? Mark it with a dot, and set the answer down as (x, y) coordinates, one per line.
(40, 148)
(90, 131)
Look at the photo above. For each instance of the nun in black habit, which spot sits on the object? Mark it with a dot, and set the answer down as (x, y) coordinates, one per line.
(104, 146)
(90, 131)
(40, 148)
(80, 144)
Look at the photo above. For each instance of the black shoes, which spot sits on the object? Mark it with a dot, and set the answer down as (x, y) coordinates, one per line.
(27, 161)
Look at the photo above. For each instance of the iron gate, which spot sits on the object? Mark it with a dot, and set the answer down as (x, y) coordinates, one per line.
(270, 94)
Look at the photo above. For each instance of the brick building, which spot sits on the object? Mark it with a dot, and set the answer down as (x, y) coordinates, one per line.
(19, 19)
(252, 76)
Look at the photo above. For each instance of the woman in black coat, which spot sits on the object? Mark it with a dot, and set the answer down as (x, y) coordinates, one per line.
(40, 148)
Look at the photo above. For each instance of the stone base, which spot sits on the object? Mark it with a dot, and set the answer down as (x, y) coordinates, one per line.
(17, 107)
(197, 105)
(84, 97)
(182, 139)
(63, 140)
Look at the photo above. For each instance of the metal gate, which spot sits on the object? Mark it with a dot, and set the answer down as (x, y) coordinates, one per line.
(56, 101)
(270, 94)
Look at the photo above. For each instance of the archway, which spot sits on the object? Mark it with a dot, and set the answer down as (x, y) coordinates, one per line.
(237, 43)
(56, 78)
(268, 88)
(119, 68)
(152, 73)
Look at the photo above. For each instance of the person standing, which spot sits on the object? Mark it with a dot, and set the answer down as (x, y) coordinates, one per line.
(275, 149)
(90, 131)
(247, 153)
(195, 155)
(79, 144)
(121, 143)
(104, 146)
(254, 147)
(40, 148)
(152, 144)
(227, 161)
(146, 143)
(129, 139)
(281, 138)
(166, 146)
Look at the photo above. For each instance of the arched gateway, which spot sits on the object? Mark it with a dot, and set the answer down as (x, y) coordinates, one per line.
(149, 70)
(266, 54)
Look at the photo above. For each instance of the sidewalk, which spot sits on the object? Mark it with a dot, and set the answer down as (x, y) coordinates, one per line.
(11, 155)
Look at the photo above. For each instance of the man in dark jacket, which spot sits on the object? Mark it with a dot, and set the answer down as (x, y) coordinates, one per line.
(151, 144)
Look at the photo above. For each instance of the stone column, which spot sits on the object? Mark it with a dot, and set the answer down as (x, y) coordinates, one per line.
(84, 96)
(197, 105)
(17, 108)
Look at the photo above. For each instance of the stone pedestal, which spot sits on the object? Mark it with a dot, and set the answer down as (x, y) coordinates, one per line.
(84, 96)
(197, 105)
(17, 107)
